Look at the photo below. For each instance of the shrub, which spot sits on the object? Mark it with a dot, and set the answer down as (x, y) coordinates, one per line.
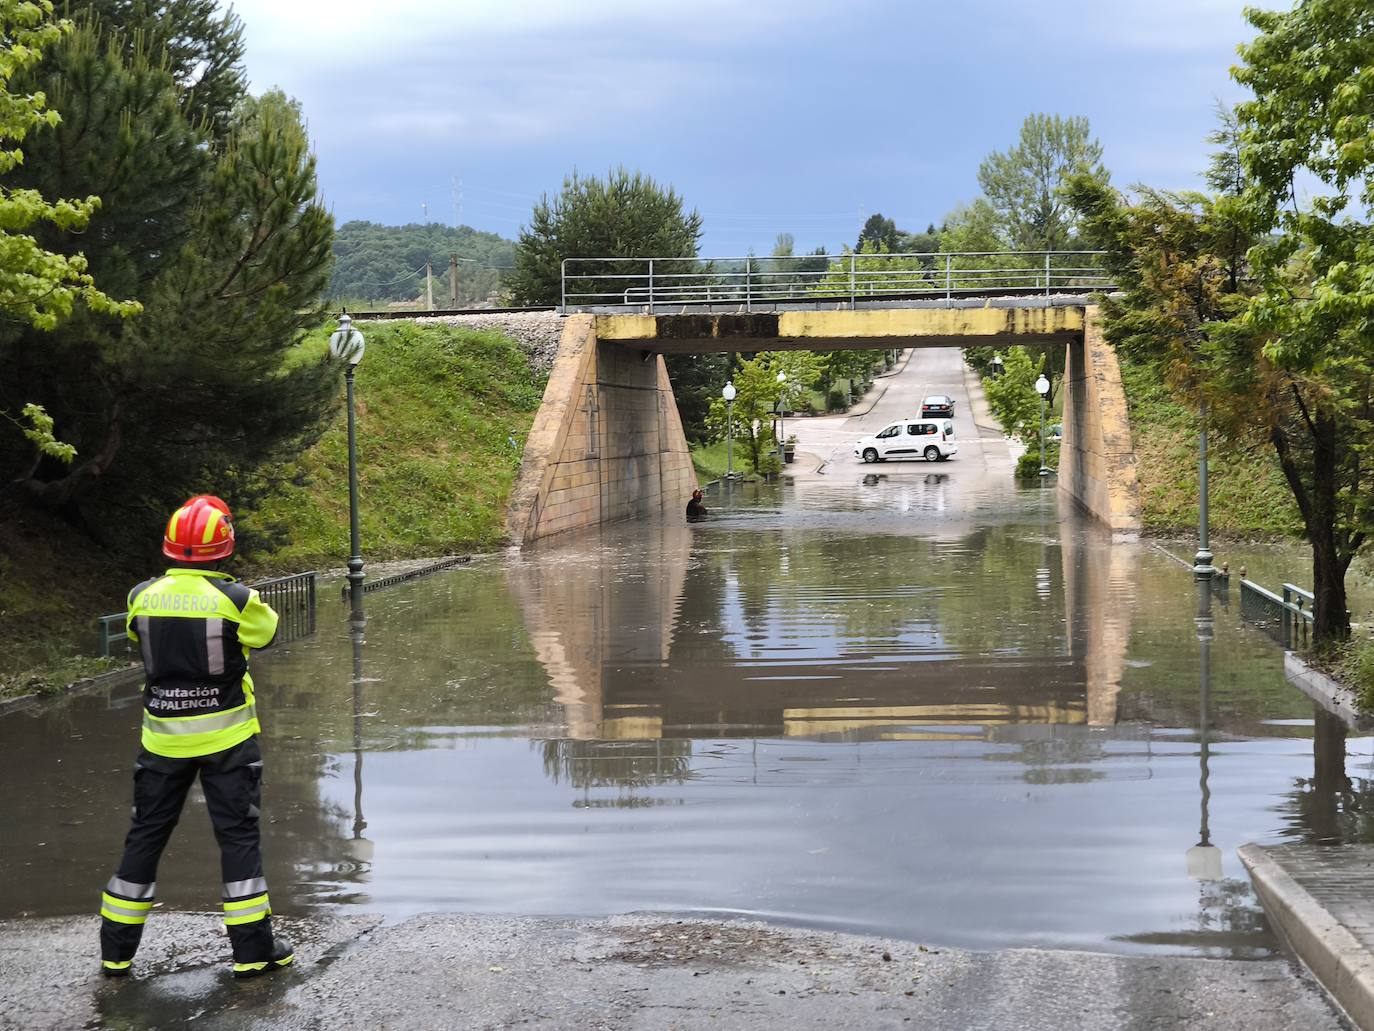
(1028, 465)
(837, 400)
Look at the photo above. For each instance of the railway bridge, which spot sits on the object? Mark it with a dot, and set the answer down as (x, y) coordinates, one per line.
(607, 443)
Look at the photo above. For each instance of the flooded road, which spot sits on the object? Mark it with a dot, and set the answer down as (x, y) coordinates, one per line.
(920, 707)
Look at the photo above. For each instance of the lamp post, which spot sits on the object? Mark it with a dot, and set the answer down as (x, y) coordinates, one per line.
(346, 343)
(1202, 561)
(728, 392)
(997, 368)
(782, 406)
(1042, 387)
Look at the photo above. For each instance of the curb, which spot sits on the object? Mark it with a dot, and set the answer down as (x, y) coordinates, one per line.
(973, 387)
(1344, 967)
(1331, 695)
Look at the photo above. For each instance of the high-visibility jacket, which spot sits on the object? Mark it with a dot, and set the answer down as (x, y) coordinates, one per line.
(195, 628)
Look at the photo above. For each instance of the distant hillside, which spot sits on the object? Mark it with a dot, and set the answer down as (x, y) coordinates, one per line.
(377, 264)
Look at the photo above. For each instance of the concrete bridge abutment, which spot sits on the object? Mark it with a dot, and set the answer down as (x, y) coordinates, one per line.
(1097, 463)
(607, 442)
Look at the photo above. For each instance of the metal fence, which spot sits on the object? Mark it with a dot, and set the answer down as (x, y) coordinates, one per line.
(398, 578)
(292, 597)
(1287, 618)
(750, 282)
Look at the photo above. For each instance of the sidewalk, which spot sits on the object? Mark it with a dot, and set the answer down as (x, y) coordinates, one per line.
(1321, 901)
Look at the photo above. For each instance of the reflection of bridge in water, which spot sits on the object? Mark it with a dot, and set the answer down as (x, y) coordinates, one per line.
(652, 651)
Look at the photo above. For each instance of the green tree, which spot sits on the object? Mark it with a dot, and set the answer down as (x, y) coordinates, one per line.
(878, 234)
(625, 215)
(1012, 396)
(758, 393)
(927, 242)
(1023, 184)
(1307, 146)
(37, 286)
(209, 219)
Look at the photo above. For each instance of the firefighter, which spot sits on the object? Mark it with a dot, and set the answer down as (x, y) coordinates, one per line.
(195, 627)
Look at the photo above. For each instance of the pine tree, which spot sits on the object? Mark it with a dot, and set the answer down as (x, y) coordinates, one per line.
(209, 219)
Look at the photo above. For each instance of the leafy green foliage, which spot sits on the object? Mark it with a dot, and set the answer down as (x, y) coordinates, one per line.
(1312, 119)
(878, 234)
(1023, 184)
(377, 264)
(1012, 396)
(210, 220)
(759, 395)
(37, 285)
(40, 432)
(625, 215)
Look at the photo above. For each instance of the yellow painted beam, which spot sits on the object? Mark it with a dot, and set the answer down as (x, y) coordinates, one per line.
(626, 327)
(932, 322)
(946, 324)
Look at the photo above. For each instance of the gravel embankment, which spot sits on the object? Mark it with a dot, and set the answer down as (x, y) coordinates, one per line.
(537, 331)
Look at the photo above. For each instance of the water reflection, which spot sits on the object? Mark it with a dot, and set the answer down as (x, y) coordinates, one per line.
(845, 708)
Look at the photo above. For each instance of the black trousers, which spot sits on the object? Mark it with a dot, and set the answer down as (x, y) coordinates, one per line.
(232, 782)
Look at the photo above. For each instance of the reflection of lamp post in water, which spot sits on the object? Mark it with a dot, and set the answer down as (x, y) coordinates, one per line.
(1042, 387)
(358, 846)
(1204, 858)
(728, 392)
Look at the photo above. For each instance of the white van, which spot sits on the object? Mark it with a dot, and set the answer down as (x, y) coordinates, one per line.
(931, 439)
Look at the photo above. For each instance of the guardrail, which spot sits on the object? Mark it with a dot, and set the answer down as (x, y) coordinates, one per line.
(747, 281)
(293, 598)
(399, 578)
(1284, 617)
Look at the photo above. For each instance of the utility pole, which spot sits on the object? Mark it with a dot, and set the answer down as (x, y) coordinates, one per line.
(429, 286)
(452, 282)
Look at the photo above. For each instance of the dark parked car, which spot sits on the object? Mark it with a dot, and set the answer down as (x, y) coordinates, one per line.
(938, 406)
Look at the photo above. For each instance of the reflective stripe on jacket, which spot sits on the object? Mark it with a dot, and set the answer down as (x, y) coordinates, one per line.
(195, 628)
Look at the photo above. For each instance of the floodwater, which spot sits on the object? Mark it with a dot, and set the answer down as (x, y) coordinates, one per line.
(888, 707)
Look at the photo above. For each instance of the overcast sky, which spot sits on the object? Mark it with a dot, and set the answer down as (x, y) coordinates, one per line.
(801, 116)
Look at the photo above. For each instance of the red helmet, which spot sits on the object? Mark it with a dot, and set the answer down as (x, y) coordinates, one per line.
(216, 502)
(200, 531)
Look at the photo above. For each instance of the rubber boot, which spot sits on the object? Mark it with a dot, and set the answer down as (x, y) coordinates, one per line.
(283, 955)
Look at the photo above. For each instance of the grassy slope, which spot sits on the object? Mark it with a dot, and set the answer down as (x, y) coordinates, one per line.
(437, 406)
(1248, 496)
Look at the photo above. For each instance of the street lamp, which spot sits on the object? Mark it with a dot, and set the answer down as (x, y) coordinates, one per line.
(997, 368)
(728, 392)
(782, 405)
(1202, 561)
(1042, 387)
(346, 343)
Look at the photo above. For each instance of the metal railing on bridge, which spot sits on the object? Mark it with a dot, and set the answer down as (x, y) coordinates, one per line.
(292, 597)
(752, 283)
(1287, 618)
